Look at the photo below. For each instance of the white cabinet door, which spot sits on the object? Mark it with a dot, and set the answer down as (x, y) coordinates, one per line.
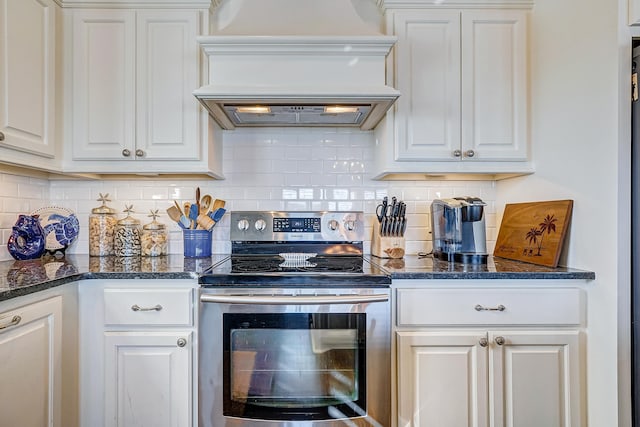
(27, 75)
(463, 80)
(148, 379)
(498, 379)
(494, 85)
(134, 72)
(535, 379)
(167, 73)
(104, 84)
(428, 65)
(634, 12)
(463, 110)
(442, 379)
(30, 368)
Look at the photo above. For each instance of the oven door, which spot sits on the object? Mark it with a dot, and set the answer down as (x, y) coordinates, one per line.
(285, 357)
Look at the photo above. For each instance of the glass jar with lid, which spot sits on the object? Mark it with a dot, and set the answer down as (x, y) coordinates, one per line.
(126, 241)
(154, 237)
(102, 227)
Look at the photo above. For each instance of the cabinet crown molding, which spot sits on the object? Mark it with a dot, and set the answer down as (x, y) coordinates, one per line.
(138, 4)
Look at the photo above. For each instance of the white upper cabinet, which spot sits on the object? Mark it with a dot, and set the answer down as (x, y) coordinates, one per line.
(634, 12)
(494, 85)
(463, 79)
(134, 71)
(104, 55)
(28, 70)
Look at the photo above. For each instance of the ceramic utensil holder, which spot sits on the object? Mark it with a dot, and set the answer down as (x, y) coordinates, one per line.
(386, 246)
(197, 243)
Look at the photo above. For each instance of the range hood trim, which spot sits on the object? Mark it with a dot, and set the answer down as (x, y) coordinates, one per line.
(296, 45)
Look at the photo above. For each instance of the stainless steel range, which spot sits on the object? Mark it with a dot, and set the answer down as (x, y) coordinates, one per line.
(295, 326)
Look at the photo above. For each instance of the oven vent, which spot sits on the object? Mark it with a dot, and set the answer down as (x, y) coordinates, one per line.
(297, 260)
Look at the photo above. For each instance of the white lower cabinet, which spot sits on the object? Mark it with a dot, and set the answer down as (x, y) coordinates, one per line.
(148, 378)
(497, 367)
(31, 364)
(138, 355)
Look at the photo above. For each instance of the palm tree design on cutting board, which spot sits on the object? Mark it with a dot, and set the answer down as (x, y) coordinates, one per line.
(548, 226)
(532, 237)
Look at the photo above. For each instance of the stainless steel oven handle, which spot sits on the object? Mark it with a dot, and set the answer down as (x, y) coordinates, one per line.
(293, 300)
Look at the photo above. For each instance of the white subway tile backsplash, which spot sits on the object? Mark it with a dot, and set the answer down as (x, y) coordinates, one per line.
(265, 169)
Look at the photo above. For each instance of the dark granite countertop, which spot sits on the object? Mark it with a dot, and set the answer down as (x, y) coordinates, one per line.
(19, 278)
(425, 267)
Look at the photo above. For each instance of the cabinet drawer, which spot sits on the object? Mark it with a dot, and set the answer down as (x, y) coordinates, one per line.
(463, 306)
(148, 307)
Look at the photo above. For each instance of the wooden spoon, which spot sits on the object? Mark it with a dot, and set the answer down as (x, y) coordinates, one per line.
(217, 204)
(179, 208)
(206, 204)
(174, 214)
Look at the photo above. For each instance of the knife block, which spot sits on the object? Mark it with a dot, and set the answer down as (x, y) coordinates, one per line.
(386, 246)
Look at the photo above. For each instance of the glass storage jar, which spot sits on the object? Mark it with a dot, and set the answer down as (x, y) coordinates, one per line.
(126, 241)
(102, 227)
(154, 237)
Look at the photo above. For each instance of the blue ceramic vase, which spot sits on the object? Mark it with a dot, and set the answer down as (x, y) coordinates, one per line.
(27, 239)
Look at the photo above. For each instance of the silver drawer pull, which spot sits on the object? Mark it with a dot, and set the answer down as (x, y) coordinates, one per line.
(482, 308)
(14, 321)
(136, 307)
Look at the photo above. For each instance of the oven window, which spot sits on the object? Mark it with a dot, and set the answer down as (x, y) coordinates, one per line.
(295, 366)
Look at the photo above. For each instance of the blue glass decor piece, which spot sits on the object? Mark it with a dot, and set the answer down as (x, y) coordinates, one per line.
(27, 238)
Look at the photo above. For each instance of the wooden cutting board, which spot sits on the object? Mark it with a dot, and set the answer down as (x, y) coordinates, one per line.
(534, 232)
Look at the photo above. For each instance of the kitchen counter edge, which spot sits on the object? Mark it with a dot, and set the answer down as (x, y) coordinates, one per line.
(20, 278)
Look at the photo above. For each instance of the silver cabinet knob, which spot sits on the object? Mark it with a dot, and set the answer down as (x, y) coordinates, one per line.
(499, 340)
(1, 136)
(139, 153)
(126, 152)
(469, 153)
(181, 342)
(457, 153)
(483, 342)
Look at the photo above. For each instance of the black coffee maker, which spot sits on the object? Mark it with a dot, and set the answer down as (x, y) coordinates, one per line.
(459, 230)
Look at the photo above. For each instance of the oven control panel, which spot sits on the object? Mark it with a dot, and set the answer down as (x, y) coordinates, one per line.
(249, 226)
(296, 225)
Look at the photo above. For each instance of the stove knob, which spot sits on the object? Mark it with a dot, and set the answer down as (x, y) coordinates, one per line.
(260, 225)
(243, 225)
(333, 225)
(350, 225)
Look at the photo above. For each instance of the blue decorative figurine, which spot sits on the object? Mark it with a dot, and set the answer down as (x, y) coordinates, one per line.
(27, 239)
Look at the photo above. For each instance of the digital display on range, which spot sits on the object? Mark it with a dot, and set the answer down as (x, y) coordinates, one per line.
(296, 225)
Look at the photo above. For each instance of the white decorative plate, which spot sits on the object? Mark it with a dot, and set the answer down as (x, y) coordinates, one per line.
(61, 226)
